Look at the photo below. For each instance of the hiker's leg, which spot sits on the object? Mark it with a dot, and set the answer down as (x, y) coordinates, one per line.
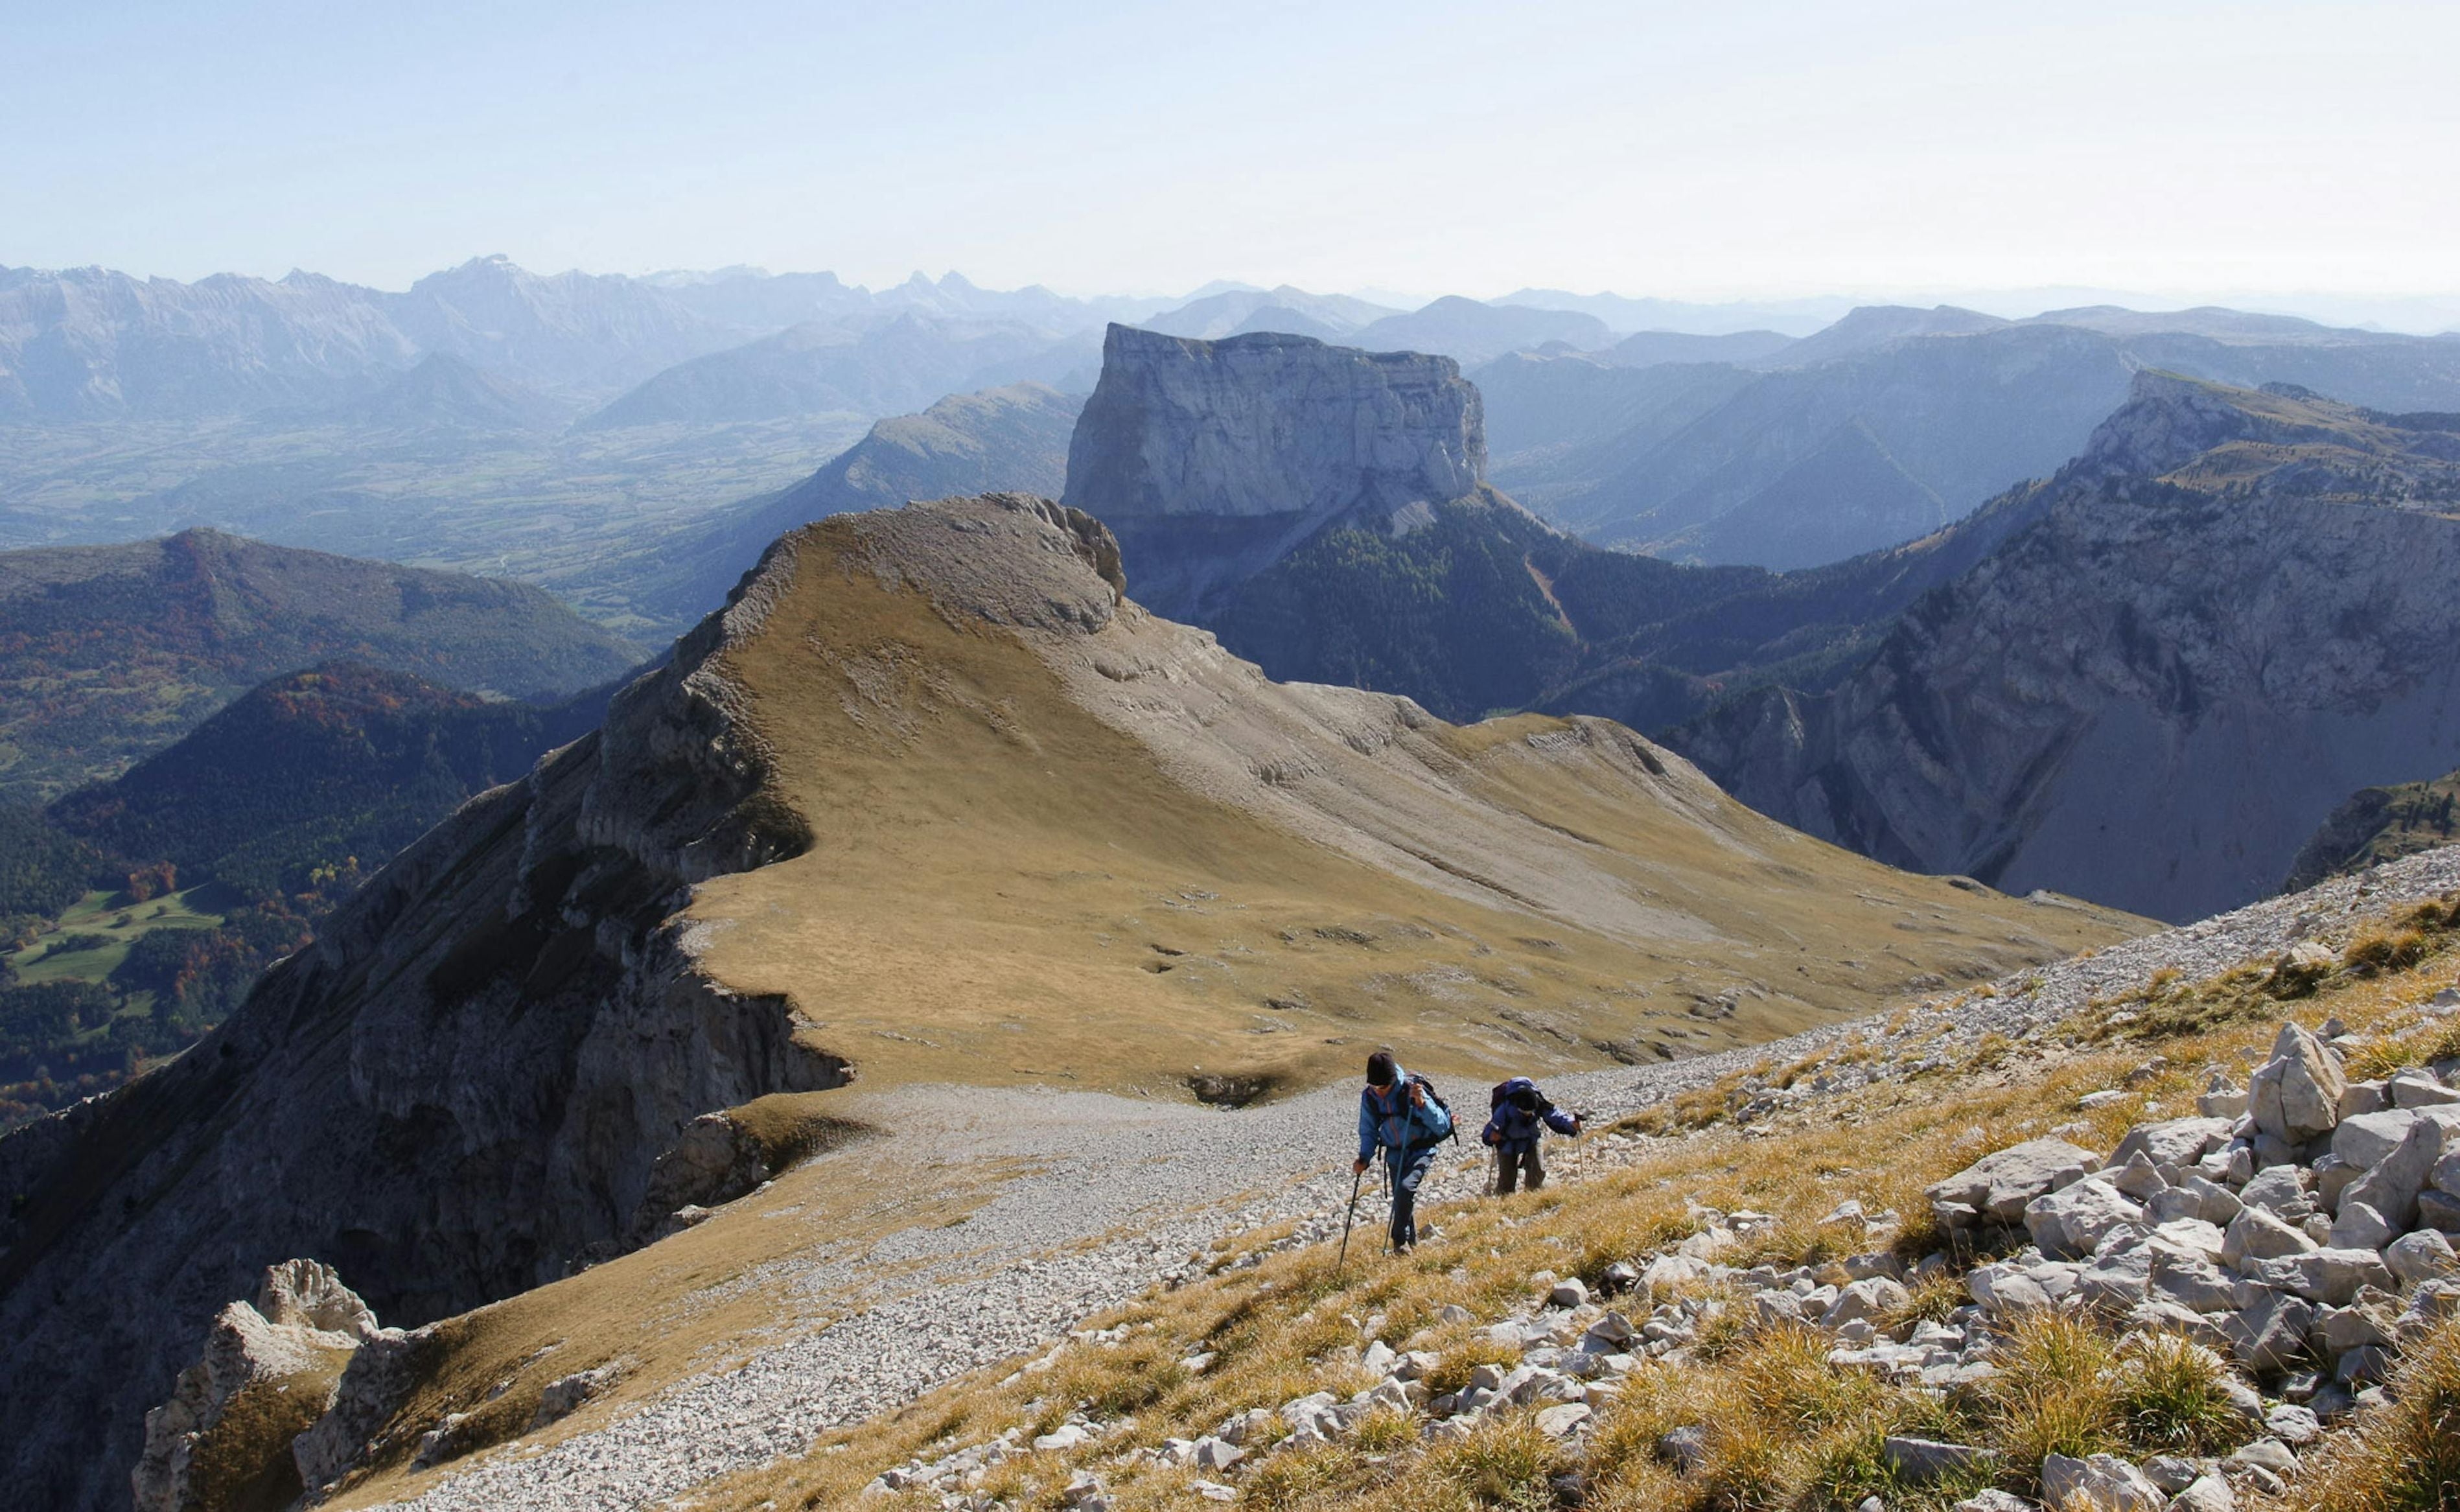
(1405, 1197)
(1534, 1167)
(1507, 1171)
(1403, 1203)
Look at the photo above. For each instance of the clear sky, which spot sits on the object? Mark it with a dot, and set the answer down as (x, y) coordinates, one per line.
(1690, 150)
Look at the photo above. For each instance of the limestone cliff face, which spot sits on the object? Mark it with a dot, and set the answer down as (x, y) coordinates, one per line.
(1213, 459)
(458, 1089)
(2233, 610)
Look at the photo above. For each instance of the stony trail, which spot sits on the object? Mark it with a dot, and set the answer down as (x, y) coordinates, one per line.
(1121, 1193)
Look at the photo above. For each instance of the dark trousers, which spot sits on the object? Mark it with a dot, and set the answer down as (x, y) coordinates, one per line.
(1407, 1170)
(1511, 1163)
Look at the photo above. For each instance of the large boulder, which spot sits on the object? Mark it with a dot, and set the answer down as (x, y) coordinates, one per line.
(2255, 1234)
(2367, 1138)
(2391, 1186)
(1997, 1187)
(2073, 1221)
(2269, 1333)
(2173, 1141)
(2296, 1094)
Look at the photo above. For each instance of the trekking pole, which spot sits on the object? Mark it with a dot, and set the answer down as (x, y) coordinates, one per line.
(1357, 1180)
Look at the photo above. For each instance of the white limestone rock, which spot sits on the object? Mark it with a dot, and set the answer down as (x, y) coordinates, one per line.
(2296, 1094)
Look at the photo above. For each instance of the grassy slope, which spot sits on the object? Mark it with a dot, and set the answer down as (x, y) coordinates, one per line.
(98, 913)
(1785, 1429)
(996, 869)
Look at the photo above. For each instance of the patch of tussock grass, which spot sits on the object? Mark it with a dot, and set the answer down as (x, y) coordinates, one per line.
(2169, 1399)
(2055, 1392)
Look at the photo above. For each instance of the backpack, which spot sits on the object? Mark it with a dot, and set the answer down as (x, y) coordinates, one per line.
(1451, 1130)
(1505, 1089)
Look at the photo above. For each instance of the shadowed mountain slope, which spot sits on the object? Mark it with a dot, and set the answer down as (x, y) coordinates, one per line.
(342, 763)
(931, 801)
(108, 653)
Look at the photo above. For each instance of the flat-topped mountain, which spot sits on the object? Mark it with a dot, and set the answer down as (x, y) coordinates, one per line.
(108, 653)
(1213, 459)
(931, 801)
(2230, 613)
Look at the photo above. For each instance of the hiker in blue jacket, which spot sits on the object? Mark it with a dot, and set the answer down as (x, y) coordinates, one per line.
(1400, 1115)
(1522, 1115)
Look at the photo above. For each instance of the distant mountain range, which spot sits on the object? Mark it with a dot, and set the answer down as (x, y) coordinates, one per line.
(89, 344)
(871, 365)
(1884, 426)
(589, 433)
(108, 653)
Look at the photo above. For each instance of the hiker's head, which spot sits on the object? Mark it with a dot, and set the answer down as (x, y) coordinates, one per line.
(1380, 1069)
(1525, 1099)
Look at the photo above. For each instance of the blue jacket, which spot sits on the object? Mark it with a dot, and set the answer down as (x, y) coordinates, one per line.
(1386, 1121)
(1513, 1131)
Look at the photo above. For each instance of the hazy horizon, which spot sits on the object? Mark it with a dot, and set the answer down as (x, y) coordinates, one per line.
(2259, 155)
(2419, 312)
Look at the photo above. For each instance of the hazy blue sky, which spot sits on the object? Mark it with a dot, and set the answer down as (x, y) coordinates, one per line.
(1688, 149)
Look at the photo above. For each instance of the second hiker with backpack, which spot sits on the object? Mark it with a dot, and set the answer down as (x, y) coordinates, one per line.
(1522, 1115)
(1400, 1115)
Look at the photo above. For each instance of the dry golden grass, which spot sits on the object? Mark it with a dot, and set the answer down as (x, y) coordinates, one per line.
(1782, 1428)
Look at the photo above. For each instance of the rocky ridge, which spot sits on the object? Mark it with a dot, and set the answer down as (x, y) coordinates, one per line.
(2152, 693)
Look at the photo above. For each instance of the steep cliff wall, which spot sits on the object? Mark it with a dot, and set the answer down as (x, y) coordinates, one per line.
(1213, 459)
(458, 1089)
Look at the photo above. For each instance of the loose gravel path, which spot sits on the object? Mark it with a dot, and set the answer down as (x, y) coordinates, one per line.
(1122, 1193)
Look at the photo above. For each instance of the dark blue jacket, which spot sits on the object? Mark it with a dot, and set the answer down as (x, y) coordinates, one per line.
(1513, 1131)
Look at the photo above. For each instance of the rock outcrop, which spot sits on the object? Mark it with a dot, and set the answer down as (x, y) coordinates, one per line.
(2226, 616)
(462, 1086)
(1213, 459)
(266, 1374)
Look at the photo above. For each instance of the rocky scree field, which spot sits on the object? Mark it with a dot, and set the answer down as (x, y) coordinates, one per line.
(2103, 1235)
